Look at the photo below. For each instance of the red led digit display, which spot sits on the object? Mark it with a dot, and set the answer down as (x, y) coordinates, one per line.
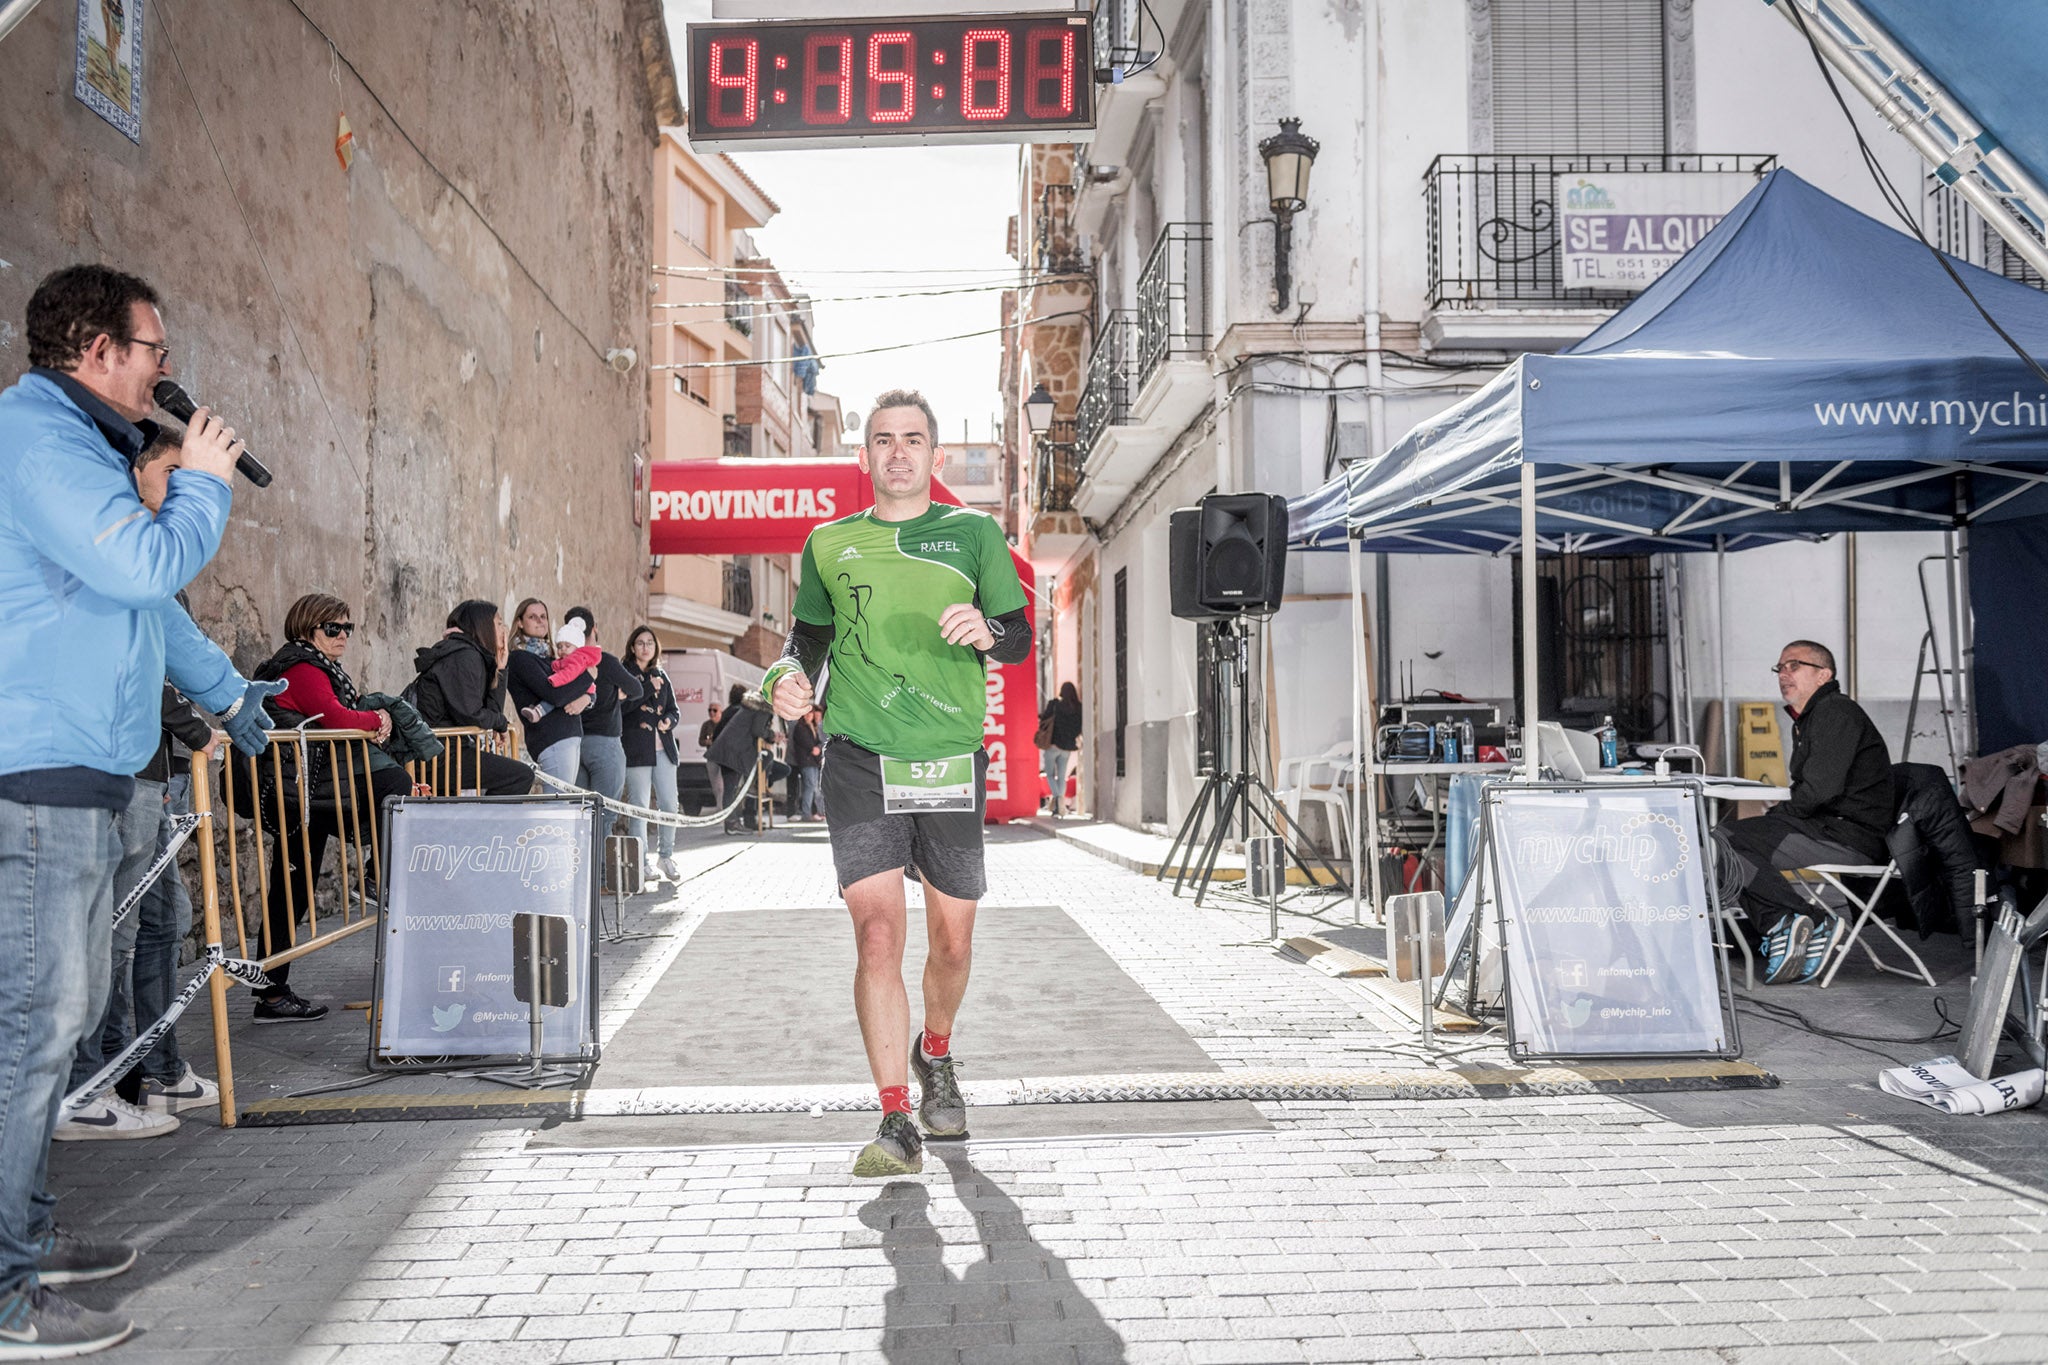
(828, 68)
(991, 77)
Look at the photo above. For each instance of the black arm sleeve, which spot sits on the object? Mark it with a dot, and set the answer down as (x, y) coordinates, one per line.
(806, 645)
(613, 673)
(1013, 637)
(181, 720)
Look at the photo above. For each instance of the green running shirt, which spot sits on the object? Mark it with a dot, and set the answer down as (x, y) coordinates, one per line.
(896, 686)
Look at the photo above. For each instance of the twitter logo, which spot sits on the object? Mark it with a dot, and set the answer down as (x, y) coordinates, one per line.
(447, 1017)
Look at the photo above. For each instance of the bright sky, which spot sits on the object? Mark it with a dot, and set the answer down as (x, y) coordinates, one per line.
(939, 214)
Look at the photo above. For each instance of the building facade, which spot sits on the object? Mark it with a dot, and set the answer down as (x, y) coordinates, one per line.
(421, 329)
(704, 316)
(1425, 256)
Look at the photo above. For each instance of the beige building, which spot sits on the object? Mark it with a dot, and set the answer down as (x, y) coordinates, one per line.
(427, 343)
(702, 314)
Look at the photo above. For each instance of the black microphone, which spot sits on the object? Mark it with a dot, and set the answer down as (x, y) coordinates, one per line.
(179, 404)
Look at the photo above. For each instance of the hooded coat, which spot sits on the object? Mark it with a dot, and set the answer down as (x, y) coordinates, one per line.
(459, 685)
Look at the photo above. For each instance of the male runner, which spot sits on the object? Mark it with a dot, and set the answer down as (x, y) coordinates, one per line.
(907, 602)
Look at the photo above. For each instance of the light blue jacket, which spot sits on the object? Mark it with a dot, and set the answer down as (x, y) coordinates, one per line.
(88, 622)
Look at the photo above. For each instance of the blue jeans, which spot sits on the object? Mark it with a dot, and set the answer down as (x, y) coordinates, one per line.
(137, 828)
(56, 937)
(659, 783)
(166, 917)
(807, 802)
(560, 760)
(602, 769)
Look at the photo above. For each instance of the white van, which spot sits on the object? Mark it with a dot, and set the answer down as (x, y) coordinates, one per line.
(701, 677)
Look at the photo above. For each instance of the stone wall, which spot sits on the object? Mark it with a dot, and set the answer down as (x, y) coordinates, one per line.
(415, 344)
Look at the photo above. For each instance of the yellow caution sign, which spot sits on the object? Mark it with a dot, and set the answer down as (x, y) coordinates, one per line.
(1760, 744)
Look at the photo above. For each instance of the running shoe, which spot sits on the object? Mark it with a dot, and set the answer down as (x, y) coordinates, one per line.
(896, 1150)
(63, 1257)
(1785, 949)
(939, 1105)
(670, 869)
(111, 1118)
(288, 1009)
(1817, 945)
(41, 1324)
(190, 1091)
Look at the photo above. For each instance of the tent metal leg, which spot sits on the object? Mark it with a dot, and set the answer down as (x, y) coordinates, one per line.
(1529, 626)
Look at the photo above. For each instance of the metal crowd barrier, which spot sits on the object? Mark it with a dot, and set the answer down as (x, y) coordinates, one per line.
(269, 797)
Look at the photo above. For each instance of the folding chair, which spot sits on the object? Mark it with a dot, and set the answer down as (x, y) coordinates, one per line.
(1811, 881)
(1731, 929)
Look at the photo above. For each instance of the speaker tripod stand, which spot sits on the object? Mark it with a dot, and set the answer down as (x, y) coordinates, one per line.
(1241, 792)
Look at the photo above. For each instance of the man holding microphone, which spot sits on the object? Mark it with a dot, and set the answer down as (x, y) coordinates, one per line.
(89, 628)
(908, 601)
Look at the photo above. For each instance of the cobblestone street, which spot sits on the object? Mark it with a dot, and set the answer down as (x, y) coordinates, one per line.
(1821, 1221)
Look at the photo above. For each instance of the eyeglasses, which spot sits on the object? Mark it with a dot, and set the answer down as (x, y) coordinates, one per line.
(335, 630)
(163, 352)
(1791, 664)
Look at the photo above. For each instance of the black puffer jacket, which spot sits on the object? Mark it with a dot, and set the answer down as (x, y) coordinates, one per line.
(1937, 859)
(459, 685)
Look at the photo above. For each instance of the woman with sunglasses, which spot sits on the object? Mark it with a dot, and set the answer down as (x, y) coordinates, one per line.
(555, 741)
(319, 693)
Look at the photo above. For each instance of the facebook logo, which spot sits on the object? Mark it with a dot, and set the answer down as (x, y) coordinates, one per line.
(450, 979)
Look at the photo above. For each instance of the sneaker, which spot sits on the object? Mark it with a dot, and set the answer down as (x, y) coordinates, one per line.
(111, 1118)
(1785, 948)
(896, 1150)
(1817, 945)
(67, 1258)
(39, 1324)
(670, 868)
(939, 1105)
(650, 870)
(190, 1091)
(288, 1009)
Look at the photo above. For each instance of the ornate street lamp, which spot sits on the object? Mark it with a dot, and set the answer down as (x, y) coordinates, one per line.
(1288, 155)
(1038, 411)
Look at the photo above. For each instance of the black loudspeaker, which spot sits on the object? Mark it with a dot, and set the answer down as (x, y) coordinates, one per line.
(1184, 553)
(1242, 564)
(1228, 555)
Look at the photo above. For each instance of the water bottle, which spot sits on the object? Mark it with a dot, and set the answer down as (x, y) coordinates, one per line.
(1610, 744)
(1447, 742)
(1513, 743)
(1468, 748)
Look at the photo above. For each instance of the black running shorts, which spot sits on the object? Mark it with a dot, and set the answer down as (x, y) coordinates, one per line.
(943, 846)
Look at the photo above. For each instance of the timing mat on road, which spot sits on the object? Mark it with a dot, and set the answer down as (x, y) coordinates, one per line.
(1244, 1084)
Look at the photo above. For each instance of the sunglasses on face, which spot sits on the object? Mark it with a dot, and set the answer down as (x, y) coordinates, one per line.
(1791, 664)
(336, 630)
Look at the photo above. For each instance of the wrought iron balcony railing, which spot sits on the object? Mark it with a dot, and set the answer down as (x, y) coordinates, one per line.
(739, 308)
(1057, 469)
(1173, 320)
(1106, 393)
(738, 596)
(1059, 245)
(1492, 223)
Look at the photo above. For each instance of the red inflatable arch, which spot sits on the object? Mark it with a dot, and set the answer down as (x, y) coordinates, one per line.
(766, 507)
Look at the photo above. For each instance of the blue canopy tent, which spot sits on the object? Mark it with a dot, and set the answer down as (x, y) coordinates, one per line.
(1804, 370)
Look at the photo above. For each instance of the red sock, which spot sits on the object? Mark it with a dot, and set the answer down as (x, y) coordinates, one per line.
(895, 1099)
(936, 1045)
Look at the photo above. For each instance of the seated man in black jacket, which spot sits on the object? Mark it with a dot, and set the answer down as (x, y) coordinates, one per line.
(1840, 811)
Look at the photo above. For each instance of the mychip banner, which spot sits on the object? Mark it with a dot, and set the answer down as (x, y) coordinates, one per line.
(1607, 922)
(460, 870)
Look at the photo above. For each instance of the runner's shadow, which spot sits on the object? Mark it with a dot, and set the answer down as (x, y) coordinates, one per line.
(1018, 1294)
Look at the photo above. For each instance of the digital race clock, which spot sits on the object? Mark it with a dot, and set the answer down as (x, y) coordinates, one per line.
(982, 78)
